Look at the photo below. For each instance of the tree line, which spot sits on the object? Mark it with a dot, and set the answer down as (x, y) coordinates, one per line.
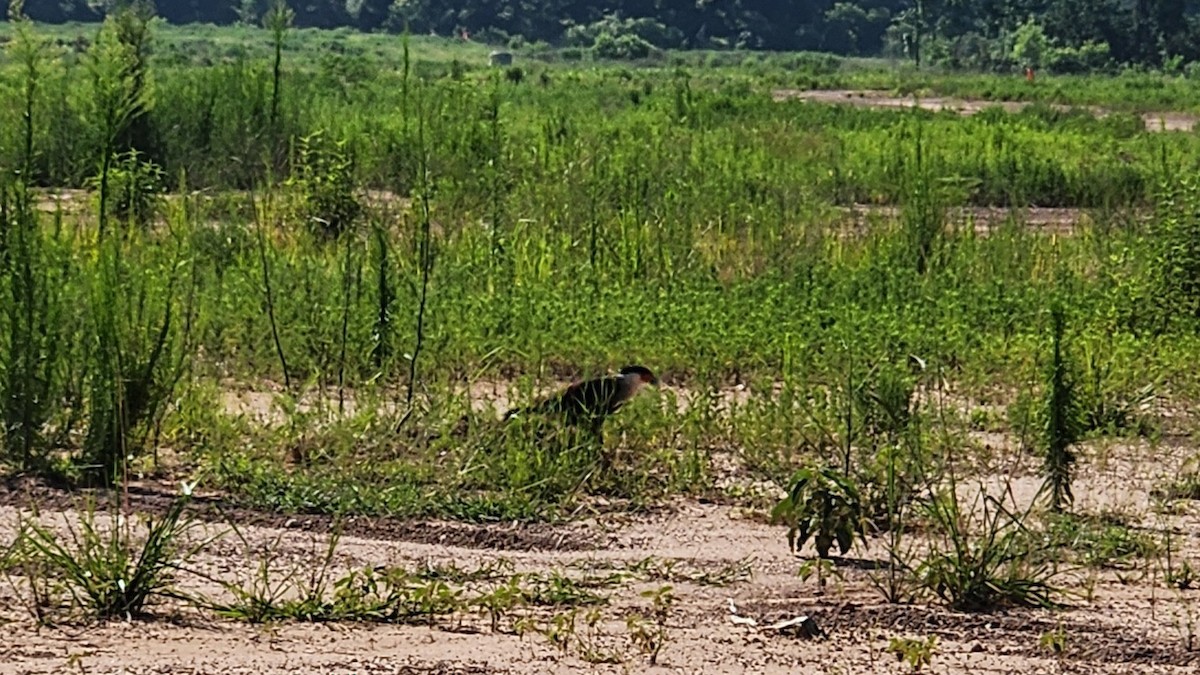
(988, 34)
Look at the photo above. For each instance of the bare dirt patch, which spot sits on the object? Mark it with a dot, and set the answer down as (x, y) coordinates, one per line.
(987, 219)
(1155, 121)
(1137, 625)
(1125, 619)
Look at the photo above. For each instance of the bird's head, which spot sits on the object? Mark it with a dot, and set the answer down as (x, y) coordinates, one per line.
(639, 375)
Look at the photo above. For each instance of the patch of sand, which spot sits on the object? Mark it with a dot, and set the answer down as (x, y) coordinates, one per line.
(1155, 121)
(1130, 624)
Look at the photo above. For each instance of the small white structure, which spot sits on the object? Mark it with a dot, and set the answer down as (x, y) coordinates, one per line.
(499, 58)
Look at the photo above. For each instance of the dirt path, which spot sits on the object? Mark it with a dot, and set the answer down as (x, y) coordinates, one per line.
(710, 554)
(984, 219)
(1155, 121)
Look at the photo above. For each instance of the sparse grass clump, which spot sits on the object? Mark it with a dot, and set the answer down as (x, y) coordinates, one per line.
(1185, 483)
(317, 592)
(1099, 541)
(109, 570)
(984, 558)
(390, 595)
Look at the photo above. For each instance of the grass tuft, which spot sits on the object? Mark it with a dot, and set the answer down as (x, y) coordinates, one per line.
(108, 570)
(984, 559)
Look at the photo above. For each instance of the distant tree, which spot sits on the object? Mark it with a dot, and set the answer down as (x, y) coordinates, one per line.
(1031, 46)
(844, 22)
(57, 11)
(248, 11)
(851, 29)
(1148, 41)
(368, 14)
(1075, 22)
(968, 33)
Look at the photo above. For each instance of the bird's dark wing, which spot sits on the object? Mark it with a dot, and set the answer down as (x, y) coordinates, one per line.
(590, 398)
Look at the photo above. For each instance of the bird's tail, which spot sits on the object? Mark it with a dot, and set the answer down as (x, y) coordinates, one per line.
(544, 407)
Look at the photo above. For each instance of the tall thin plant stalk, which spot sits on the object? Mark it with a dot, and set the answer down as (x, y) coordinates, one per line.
(381, 350)
(29, 51)
(425, 259)
(278, 20)
(922, 216)
(347, 287)
(1062, 426)
(268, 292)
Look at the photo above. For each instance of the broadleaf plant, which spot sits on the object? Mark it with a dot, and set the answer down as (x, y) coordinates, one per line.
(825, 505)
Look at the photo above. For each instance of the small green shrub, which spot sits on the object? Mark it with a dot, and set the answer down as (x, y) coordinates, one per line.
(323, 175)
(825, 505)
(1061, 416)
(917, 653)
(649, 632)
(135, 186)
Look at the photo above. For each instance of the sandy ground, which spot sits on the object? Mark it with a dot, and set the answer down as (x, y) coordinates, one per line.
(857, 219)
(1155, 121)
(854, 219)
(1129, 622)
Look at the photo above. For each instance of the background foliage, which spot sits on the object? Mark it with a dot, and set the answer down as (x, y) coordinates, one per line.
(1064, 35)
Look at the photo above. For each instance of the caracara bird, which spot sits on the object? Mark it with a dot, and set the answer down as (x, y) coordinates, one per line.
(591, 401)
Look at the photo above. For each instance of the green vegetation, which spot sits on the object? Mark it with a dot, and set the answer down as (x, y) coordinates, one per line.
(649, 631)
(377, 239)
(394, 595)
(315, 274)
(1062, 423)
(106, 570)
(1063, 35)
(916, 653)
(1100, 541)
(824, 505)
(997, 562)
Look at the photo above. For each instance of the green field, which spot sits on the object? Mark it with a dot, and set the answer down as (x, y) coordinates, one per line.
(315, 288)
(547, 219)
